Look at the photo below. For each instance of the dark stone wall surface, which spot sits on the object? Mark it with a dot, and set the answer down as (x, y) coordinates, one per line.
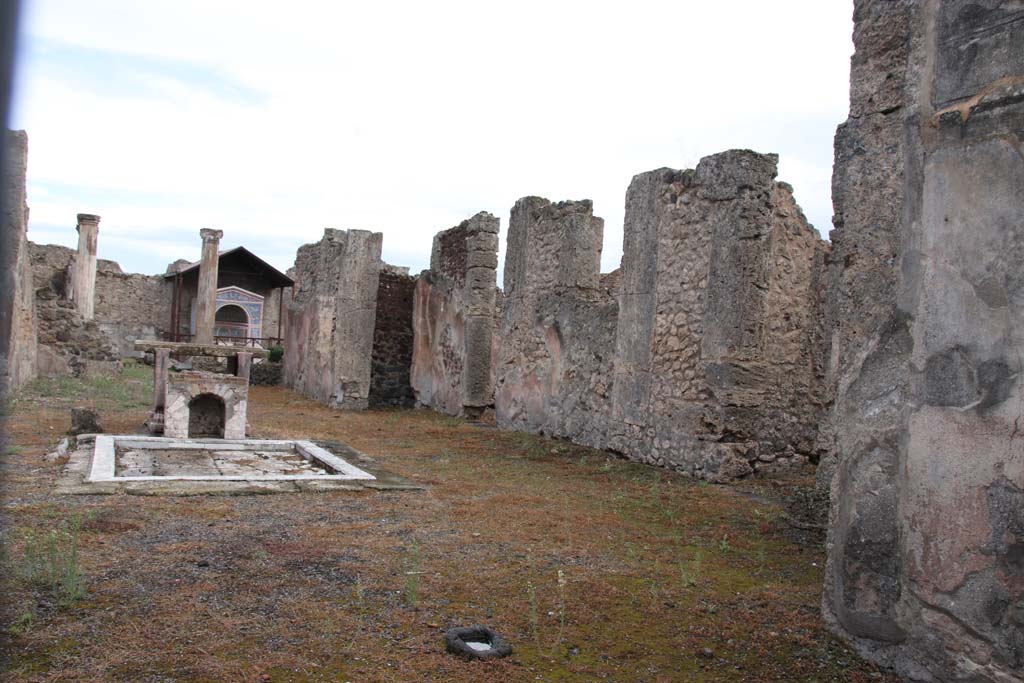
(392, 341)
(925, 312)
(67, 344)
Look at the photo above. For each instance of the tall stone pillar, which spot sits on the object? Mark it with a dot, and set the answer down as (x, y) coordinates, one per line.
(926, 305)
(206, 299)
(83, 276)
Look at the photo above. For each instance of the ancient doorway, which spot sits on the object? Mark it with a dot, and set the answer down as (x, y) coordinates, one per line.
(206, 414)
(231, 321)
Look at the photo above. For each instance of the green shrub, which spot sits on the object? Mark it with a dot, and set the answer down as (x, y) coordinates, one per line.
(276, 353)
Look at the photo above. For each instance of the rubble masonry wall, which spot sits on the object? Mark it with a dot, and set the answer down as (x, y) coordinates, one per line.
(719, 357)
(703, 353)
(557, 328)
(124, 307)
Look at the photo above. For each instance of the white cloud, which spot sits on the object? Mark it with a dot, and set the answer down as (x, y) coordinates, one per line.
(407, 117)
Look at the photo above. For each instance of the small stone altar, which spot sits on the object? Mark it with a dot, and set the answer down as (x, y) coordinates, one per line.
(201, 404)
(205, 404)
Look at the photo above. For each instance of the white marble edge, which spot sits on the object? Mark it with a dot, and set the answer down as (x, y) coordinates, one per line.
(103, 460)
(311, 450)
(103, 467)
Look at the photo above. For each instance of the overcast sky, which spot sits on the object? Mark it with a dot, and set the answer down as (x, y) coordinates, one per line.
(274, 120)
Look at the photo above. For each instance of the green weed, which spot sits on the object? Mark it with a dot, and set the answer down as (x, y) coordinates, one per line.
(360, 591)
(411, 591)
(50, 561)
(22, 624)
(531, 599)
(689, 573)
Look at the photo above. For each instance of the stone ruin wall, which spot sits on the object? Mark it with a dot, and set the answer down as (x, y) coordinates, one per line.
(925, 570)
(131, 306)
(718, 361)
(557, 326)
(330, 321)
(703, 353)
(393, 340)
(18, 322)
(124, 307)
(454, 318)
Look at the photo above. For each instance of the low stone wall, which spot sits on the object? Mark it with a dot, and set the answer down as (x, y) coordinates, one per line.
(266, 374)
(454, 318)
(331, 318)
(390, 383)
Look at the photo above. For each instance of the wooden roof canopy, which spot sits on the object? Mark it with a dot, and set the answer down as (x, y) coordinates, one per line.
(241, 259)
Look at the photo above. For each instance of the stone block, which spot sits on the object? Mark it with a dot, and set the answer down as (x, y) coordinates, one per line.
(84, 421)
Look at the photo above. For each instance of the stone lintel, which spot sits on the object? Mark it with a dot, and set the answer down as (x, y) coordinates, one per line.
(189, 349)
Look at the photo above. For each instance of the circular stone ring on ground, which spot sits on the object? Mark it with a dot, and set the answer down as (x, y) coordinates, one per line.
(476, 642)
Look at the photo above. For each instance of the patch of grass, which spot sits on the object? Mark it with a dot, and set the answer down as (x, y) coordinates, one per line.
(131, 388)
(359, 590)
(562, 583)
(22, 625)
(530, 446)
(689, 572)
(50, 561)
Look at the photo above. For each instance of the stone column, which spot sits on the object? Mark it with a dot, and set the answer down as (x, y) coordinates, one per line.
(161, 366)
(83, 275)
(244, 365)
(206, 299)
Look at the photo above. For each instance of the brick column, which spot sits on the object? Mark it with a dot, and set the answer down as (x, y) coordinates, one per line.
(206, 299)
(83, 274)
